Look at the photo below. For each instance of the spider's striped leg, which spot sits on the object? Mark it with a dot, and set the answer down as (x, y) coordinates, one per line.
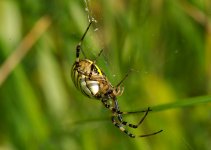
(136, 126)
(140, 122)
(126, 123)
(119, 116)
(113, 109)
(117, 111)
(120, 123)
(78, 47)
(120, 126)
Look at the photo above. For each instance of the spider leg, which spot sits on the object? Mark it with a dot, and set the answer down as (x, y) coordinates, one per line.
(124, 123)
(117, 111)
(123, 78)
(137, 125)
(154, 133)
(78, 47)
(120, 126)
(98, 55)
(140, 122)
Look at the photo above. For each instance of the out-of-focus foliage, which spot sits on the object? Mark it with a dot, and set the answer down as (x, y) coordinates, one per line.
(167, 43)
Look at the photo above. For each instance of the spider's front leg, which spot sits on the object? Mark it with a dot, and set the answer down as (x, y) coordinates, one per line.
(78, 47)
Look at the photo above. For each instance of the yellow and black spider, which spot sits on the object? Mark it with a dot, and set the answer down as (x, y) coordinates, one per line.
(93, 83)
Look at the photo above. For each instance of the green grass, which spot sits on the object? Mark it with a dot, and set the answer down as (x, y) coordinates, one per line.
(166, 44)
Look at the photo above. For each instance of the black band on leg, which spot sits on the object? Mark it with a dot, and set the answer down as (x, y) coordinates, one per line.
(78, 48)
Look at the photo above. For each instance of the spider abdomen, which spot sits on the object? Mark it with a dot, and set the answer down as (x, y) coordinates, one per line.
(89, 87)
(88, 78)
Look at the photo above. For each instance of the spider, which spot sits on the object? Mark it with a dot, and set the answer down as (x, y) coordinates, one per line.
(93, 83)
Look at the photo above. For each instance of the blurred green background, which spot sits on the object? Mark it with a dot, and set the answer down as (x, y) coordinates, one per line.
(166, 43)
